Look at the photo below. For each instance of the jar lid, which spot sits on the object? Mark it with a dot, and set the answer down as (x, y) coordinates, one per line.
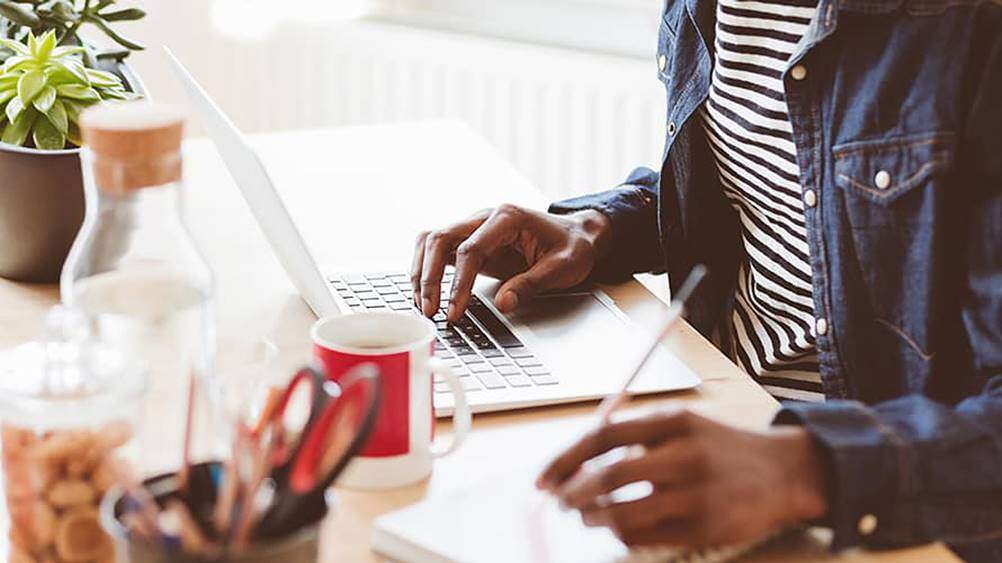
(135, 144)
(130, 131)
(65, 381)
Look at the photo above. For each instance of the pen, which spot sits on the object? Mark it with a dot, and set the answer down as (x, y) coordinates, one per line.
(675, 312)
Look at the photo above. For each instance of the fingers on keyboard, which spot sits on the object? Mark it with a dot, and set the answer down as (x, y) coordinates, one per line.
(478, 345)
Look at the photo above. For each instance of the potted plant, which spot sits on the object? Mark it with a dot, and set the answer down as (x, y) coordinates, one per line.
(48, 75)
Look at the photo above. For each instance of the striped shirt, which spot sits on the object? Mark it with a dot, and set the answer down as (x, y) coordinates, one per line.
(749, 132)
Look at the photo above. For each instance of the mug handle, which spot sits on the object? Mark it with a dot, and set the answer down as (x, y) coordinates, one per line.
(461, 417)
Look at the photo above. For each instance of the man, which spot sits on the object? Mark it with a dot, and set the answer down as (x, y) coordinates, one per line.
(838, 167)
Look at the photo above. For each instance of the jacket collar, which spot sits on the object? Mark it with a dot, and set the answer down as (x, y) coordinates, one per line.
(704, 15)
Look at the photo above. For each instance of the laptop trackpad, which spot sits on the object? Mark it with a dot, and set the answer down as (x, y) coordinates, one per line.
(584, 336)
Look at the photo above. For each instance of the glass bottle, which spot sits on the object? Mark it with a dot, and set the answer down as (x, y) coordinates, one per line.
(134, 270)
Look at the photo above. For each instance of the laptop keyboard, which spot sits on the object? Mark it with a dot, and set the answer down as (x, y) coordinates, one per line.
(480, 348)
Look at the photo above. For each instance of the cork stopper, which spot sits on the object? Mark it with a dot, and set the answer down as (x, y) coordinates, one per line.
(133, 144)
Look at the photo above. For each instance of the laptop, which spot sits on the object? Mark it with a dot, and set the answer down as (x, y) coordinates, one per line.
(560, 348)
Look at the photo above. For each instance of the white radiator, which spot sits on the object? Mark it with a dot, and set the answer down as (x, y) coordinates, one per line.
(571, 121)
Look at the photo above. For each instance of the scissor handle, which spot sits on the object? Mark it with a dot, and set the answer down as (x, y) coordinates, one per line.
(274, 416)
(305, 375)
(305, 467)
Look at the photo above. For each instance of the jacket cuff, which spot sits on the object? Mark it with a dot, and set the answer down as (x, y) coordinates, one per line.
(863, 463)
(631, 212)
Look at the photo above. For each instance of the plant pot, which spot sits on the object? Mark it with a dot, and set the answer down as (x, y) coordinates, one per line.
(42, 204)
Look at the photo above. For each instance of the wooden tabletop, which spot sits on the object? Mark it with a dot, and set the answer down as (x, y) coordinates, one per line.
(360, 195)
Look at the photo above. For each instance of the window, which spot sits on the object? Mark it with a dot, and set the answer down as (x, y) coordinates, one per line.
(620, 27)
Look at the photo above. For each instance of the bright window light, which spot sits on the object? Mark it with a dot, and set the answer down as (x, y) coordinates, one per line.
(254, 19)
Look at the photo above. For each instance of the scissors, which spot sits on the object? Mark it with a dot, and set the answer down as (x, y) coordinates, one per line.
(301, 454)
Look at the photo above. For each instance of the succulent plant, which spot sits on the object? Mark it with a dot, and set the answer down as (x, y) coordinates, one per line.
(43, 89)
(66, 17)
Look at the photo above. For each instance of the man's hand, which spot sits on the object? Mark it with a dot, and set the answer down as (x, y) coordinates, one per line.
(532, 250)
(712, 484)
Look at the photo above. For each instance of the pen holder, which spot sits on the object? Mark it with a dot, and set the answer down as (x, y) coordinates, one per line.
(300, 546)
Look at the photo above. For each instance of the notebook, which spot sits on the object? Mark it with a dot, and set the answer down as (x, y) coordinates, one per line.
(504, 520)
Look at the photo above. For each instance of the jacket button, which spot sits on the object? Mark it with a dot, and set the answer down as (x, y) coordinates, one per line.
(810, 198)
(867, 525)
(821, 326)
(882, 179)
(662, 63)
(798, 72)
(671, 128)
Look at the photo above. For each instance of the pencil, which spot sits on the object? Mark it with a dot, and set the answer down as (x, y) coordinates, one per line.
(675, 311)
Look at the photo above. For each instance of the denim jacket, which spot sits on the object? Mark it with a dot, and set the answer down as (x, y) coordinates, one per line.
(907, 273)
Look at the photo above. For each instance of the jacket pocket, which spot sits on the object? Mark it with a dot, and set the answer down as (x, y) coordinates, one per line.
(896, 194)
(884, 170)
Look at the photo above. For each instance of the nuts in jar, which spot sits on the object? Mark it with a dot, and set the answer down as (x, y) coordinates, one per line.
(54, 483)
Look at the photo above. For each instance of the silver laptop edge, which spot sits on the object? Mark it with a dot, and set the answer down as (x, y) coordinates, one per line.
(248, 172)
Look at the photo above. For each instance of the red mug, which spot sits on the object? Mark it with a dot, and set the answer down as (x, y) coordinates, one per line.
(402, 447)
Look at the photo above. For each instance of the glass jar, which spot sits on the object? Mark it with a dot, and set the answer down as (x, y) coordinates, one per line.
(69, 410)
(137, 274)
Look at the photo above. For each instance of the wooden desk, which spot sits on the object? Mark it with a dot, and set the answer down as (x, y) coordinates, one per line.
(342, 186)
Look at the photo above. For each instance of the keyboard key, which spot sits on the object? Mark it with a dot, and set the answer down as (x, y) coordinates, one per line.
(440, 317)
(537, 371)
(400, 306)
(470, 384)
(400, 278)
(518, 381)
(375, 307)
(480, 341)
(545, 380)
(492, 380)
(395, 298)
(519, 352)
(480, 367)
(375, 276)
(470, 359)
(381, 283)
(387, 291)
(527, 362)
(491, 352)
(353, 279)
(494, 326)
(502, 361)
(508, 370)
